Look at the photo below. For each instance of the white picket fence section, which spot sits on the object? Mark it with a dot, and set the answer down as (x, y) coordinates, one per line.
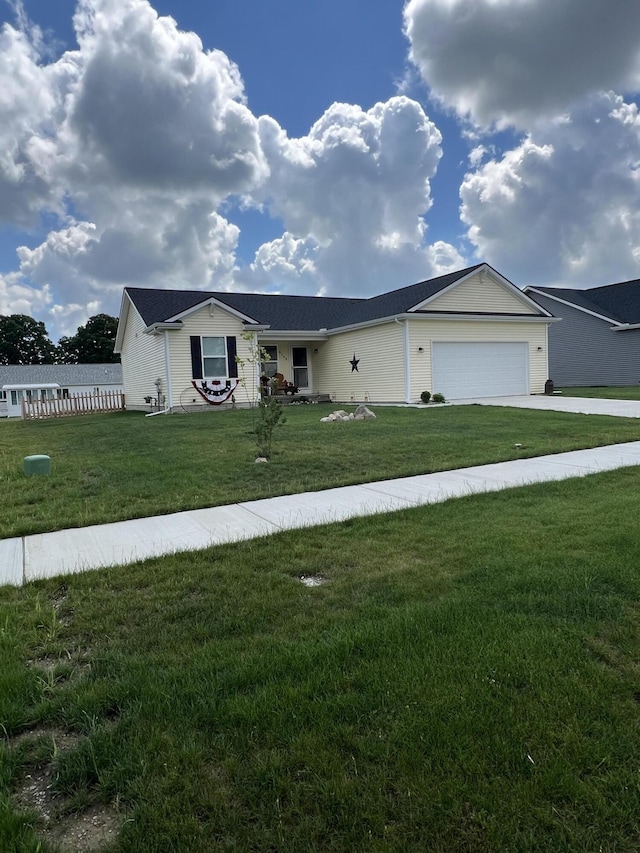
(75, 404)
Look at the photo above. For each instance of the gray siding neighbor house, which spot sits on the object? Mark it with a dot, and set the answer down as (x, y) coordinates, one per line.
(598, 340)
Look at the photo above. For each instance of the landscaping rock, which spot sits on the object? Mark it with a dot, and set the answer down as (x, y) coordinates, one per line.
(364, 413)
(361, 413)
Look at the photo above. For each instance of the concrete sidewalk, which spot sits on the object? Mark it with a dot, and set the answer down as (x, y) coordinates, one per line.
(84, 548)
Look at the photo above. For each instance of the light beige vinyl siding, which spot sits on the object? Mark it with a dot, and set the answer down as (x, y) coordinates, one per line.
(380, 375)
(142, 362)
(423, 332)
(285, 358)
(208, 324)
(478, 294)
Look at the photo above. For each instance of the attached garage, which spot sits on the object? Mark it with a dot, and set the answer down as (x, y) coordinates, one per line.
(480, 369)
(465, 334)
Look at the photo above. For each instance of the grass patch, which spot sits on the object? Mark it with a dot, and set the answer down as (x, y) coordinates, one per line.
(609, 392)
(114, 467)
(465, 680)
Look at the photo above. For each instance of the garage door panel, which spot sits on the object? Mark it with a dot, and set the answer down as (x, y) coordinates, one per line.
(483, 369)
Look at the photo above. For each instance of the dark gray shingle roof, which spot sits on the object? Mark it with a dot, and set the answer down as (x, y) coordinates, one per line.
(292, 312)
(619, 302)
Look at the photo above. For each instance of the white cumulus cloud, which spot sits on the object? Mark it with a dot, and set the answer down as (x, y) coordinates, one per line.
(160, 245)
(511, 62)
(31, 104)
(152, 108)
(133, 141)
(18, 298)
(562, 207)
(352, 194)
(139, 146)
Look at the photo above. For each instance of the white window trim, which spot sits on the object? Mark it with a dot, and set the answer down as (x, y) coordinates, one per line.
(205, 376)
(308, 386)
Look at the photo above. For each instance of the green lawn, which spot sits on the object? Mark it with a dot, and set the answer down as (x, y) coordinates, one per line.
(627, 392)
(465, 680)
(113, 467)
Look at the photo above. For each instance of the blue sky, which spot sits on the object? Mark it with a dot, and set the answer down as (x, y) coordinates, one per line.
(342, 148)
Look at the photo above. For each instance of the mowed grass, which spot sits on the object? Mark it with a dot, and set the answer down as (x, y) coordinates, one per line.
(610, 392)
(466, 679)
(114, 467)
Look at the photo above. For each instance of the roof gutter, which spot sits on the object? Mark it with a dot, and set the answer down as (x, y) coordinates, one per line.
(155, 328)
(425, 316)
(290, 334)
(31, 386)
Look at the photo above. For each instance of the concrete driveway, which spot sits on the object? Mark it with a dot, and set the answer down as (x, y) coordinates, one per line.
(561, 403)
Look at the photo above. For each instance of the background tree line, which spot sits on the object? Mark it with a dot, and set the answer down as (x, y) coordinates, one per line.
(24, 340)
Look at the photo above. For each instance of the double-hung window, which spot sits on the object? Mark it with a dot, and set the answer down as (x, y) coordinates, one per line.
(214, 358)
(269, 364)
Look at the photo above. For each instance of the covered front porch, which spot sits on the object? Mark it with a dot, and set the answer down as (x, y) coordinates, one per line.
(288, 366)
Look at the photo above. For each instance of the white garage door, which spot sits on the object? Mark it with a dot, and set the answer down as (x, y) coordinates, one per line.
(480, 369)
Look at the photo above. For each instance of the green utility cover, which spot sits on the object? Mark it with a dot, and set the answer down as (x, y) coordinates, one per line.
(37, 465)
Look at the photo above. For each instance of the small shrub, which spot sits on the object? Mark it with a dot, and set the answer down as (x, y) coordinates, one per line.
(425, 396)
(271, 414)
(438, 398)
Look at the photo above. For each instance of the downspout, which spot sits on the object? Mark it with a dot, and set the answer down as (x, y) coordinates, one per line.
(167, 367)
(546, 354)
(407, 361)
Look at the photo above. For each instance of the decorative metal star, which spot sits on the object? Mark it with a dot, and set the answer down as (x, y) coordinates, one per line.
(354, 363)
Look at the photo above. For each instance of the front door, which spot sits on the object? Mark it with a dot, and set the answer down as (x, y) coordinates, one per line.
(300, 365)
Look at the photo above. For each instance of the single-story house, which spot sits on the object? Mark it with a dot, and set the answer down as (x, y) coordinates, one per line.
(469, 333)
(598, 340)
(45, 381)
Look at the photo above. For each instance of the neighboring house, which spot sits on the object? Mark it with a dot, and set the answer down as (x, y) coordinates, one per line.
(598, 340)
(470, 333)
(45, 381)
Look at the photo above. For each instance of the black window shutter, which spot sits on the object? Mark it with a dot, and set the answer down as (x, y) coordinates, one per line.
(196, 357)
(232, 351)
